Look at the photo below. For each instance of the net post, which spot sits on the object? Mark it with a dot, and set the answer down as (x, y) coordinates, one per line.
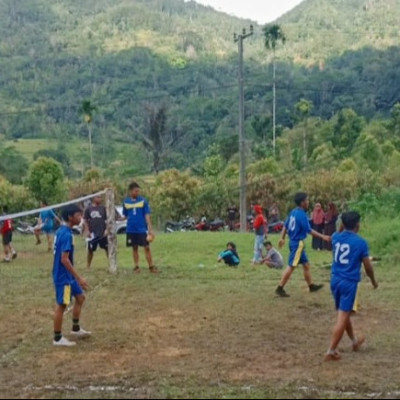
(111, 229)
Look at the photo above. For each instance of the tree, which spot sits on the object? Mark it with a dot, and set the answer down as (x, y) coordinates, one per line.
(273, 35)
(13, 165)
(87, 110)
(303, 110)
(46, 180)
(154, 140)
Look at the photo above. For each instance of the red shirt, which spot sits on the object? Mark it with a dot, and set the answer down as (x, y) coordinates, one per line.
(7, 226)
(259, 224)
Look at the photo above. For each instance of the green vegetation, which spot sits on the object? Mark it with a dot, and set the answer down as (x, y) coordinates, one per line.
(129, 57)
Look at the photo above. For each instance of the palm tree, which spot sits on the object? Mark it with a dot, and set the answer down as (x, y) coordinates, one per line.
(303, 110)
(87, 109)
(273, 34)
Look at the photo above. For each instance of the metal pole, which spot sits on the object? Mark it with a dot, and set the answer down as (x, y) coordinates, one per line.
(242, 148)
(242, 142)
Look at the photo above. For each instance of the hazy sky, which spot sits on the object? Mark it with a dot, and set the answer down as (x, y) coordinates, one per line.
(261, 11)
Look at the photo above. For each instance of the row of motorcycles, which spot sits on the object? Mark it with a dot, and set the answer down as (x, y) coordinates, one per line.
(217, 225)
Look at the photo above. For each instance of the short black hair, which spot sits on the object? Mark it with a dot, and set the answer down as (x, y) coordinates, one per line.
(134, 185)
(300, 197)
(350, 220)
(233, 245)
(5, 209)
(70, 211)
(44, 202)
(267, 243)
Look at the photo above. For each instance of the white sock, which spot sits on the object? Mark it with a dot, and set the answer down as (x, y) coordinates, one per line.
(355, 340)
(331, 352)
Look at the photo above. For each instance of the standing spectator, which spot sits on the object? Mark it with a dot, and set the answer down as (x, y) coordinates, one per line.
(6, 233)
(331, 218)
(318, 224)
(139, 230)
(260, 223)
(273, 213)
(95, 220)
(46, 225)
(232, 213)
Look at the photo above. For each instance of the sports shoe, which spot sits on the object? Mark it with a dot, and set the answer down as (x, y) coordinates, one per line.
(81, 334)
(136, 270)
(281, 292)
(64, 342)
(14, 256)
(315, 288)
(360, 342)
(154, 270)
(332, 357)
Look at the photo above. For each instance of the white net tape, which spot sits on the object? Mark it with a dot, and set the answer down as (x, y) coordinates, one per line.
(52, 207)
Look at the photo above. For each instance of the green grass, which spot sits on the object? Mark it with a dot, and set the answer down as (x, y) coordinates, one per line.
(198, 330)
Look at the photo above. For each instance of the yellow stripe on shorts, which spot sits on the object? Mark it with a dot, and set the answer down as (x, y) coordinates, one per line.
(299, 252)
(67, 295)
(356, 305)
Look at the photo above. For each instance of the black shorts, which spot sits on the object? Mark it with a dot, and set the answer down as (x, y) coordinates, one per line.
(7, 238)
(98, 242)
(137, 239)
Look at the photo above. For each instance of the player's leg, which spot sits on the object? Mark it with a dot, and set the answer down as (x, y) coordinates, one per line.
(296, 250)
(89, 257)
(63, 298)
(49, 242)
(136, 258)
(153, 269)
(80, 298)
(307, 274)
(342, 321)
(91, 248)
(37, 235)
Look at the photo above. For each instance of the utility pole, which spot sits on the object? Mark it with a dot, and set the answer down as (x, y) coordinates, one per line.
(242, 143)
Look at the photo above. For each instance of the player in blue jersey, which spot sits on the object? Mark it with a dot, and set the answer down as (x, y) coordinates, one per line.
(67, 281)
(139, 228)
(349, 251)
(298, 227)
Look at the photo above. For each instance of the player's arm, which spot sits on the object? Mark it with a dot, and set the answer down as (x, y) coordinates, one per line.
(325, 238)
(369, 270)
(283, 237)
(66, 262)
(149, 224)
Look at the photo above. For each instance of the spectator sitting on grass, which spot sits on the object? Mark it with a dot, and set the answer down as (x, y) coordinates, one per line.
(273, 258)
(230, 255)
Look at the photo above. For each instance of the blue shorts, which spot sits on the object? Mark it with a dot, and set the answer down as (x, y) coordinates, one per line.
(64, 293)
(298, 254)
(47, 229)
(344, 293)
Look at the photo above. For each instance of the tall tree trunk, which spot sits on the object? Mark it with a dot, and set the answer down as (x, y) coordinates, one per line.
(274, 104)
(90, 145)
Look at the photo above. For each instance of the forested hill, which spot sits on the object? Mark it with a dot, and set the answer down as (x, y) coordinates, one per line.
(136, 59)
(320, 29)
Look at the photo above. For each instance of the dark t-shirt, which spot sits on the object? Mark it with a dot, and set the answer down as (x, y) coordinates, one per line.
(232, 213)
(96, 217)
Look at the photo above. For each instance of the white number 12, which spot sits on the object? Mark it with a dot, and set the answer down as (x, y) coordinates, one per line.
(342, 252)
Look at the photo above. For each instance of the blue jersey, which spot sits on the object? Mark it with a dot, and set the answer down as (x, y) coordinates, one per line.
(297, 225)
(47, 218)
(349, 250)
(136, 210)
(63, 243)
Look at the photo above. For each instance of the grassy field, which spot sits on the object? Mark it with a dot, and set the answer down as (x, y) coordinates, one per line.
(198, 330)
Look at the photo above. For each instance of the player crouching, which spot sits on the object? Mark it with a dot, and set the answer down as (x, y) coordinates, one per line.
(67, 281)
(349, 251)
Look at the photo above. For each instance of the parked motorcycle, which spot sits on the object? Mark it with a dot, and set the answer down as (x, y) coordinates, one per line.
(187, 224)
(214, 226)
